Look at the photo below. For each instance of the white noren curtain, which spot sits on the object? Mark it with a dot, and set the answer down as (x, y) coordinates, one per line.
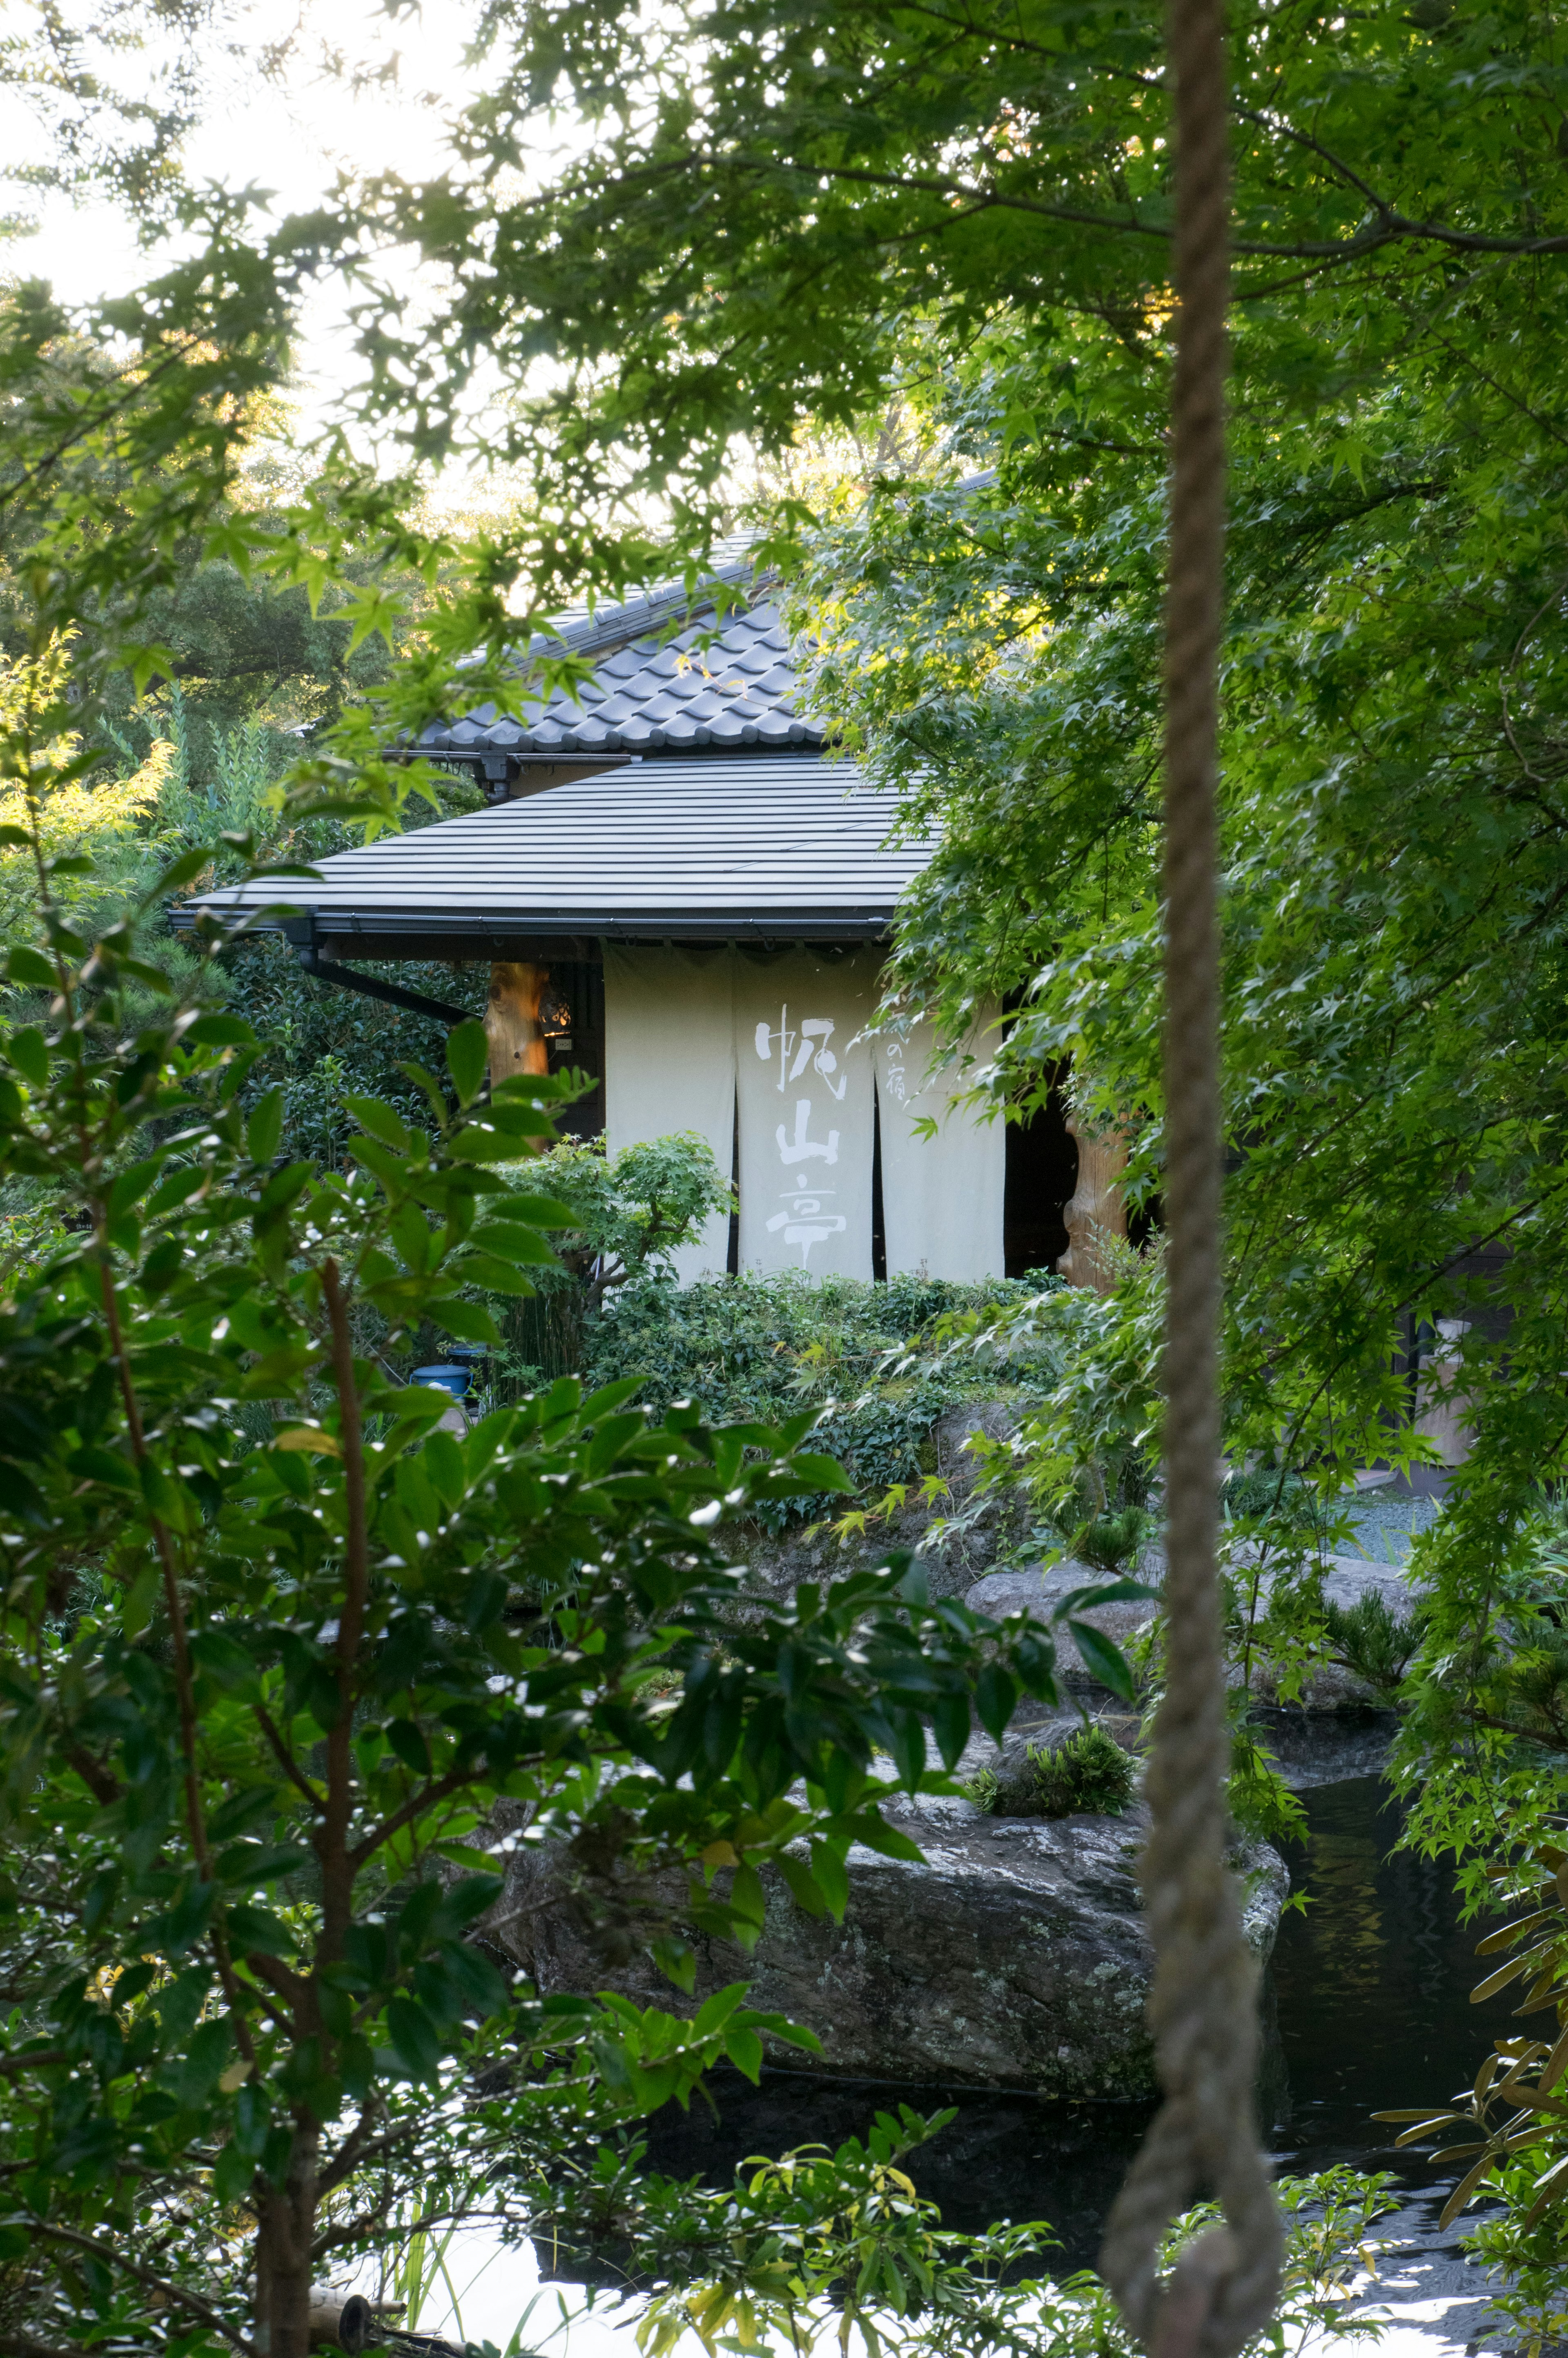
(804, 1094)
(942, 1196)
(669, 1064)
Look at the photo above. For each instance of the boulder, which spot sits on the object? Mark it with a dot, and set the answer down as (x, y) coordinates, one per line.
(1328, 1747)
(1037, 1591)
(953, 1560)
(1013, 1956)
(1345, 1580)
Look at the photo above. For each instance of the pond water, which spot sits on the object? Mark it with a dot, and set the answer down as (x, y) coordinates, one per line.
(1367, 2007)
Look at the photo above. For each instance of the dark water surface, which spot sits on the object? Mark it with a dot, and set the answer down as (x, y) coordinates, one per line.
(1367, 2007)
(1371, 1986)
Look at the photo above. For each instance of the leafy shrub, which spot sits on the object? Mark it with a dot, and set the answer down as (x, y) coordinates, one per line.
(1262, 1806)
(1089, 1773)
(1271, 1495)
(834, 2239)
(1511, 2116)
(634, 1210)
(1081, 1368)
(1523, 2249)
(757, 1347)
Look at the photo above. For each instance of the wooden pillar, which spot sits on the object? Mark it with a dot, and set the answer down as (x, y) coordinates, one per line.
(1097, 1210)
(512, 1020)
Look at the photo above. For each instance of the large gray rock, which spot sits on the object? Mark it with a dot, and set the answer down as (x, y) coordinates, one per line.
(1328, 1747)
(953, 1558)
(1014, 1956)
(1346, 1579)
(1038, 1591)
(1330, 1688)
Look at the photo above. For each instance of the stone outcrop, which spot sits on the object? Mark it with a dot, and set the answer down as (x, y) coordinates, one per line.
(1321, 1748)
(1013, 1956)
(1038, 1591)
(953, 1562)
(1346, 1579)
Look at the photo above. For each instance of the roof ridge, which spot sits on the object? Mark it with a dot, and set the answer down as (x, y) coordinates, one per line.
(607, 628)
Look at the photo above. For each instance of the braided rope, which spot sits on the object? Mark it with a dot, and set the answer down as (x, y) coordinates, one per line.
(1203, 2007)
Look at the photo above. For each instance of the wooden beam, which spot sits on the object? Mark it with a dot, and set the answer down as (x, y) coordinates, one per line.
(512, 1020)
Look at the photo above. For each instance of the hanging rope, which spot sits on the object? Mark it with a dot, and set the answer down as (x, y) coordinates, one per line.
(1203, 2008)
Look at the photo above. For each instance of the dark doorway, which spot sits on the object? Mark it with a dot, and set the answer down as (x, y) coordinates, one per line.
(1042, 1172)
(879, 1218)
(732, 1253)
(578, 985)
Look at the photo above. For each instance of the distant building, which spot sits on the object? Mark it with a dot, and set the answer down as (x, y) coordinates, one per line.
(677, 891)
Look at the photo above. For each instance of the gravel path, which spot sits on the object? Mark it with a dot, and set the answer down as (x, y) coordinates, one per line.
(1384, 1521)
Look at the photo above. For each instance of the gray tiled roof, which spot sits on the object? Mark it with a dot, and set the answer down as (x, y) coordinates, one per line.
(651, 694)
(688, 849)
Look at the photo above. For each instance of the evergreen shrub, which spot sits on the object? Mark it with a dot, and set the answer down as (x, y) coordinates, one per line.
(753, 1348)
(1089, 1772)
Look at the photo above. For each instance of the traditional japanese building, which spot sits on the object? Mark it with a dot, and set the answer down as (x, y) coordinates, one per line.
(678, 889)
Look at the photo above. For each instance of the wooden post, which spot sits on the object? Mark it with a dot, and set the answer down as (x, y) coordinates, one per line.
(1096, 1209)
(512, 1020)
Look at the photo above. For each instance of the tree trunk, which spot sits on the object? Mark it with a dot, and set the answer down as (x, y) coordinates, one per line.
(512, 1020)
(286, 2229)
(1097, 1210)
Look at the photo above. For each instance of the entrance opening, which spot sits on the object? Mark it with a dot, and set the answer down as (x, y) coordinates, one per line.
(732, 1257)
(879, 1220)
(1042, 1172)
(577, 985)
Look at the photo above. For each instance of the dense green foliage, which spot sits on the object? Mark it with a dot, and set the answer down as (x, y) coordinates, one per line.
(795, 2240)
(1511, 2124)
(272, 1647)
(779, 220)
(862, 1357)
(771, 222)
(776, 220)
(276, 1649)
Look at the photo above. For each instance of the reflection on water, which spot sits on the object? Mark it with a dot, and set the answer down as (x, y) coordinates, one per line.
(1003, 2158)
(1372, 1984)
(1367, 2007)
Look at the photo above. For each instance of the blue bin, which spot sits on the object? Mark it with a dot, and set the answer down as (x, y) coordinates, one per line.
(452, 1378)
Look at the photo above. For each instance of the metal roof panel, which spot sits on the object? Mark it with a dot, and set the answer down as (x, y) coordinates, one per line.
(669, 846)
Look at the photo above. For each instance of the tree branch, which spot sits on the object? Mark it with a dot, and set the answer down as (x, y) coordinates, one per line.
(22, 2345)
(176, 2295)
(101, 1782)
(288, 1985)
(437, 1790)
(1392, 228)
(354, 2158)
(284, 1757)
(40, 2061)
